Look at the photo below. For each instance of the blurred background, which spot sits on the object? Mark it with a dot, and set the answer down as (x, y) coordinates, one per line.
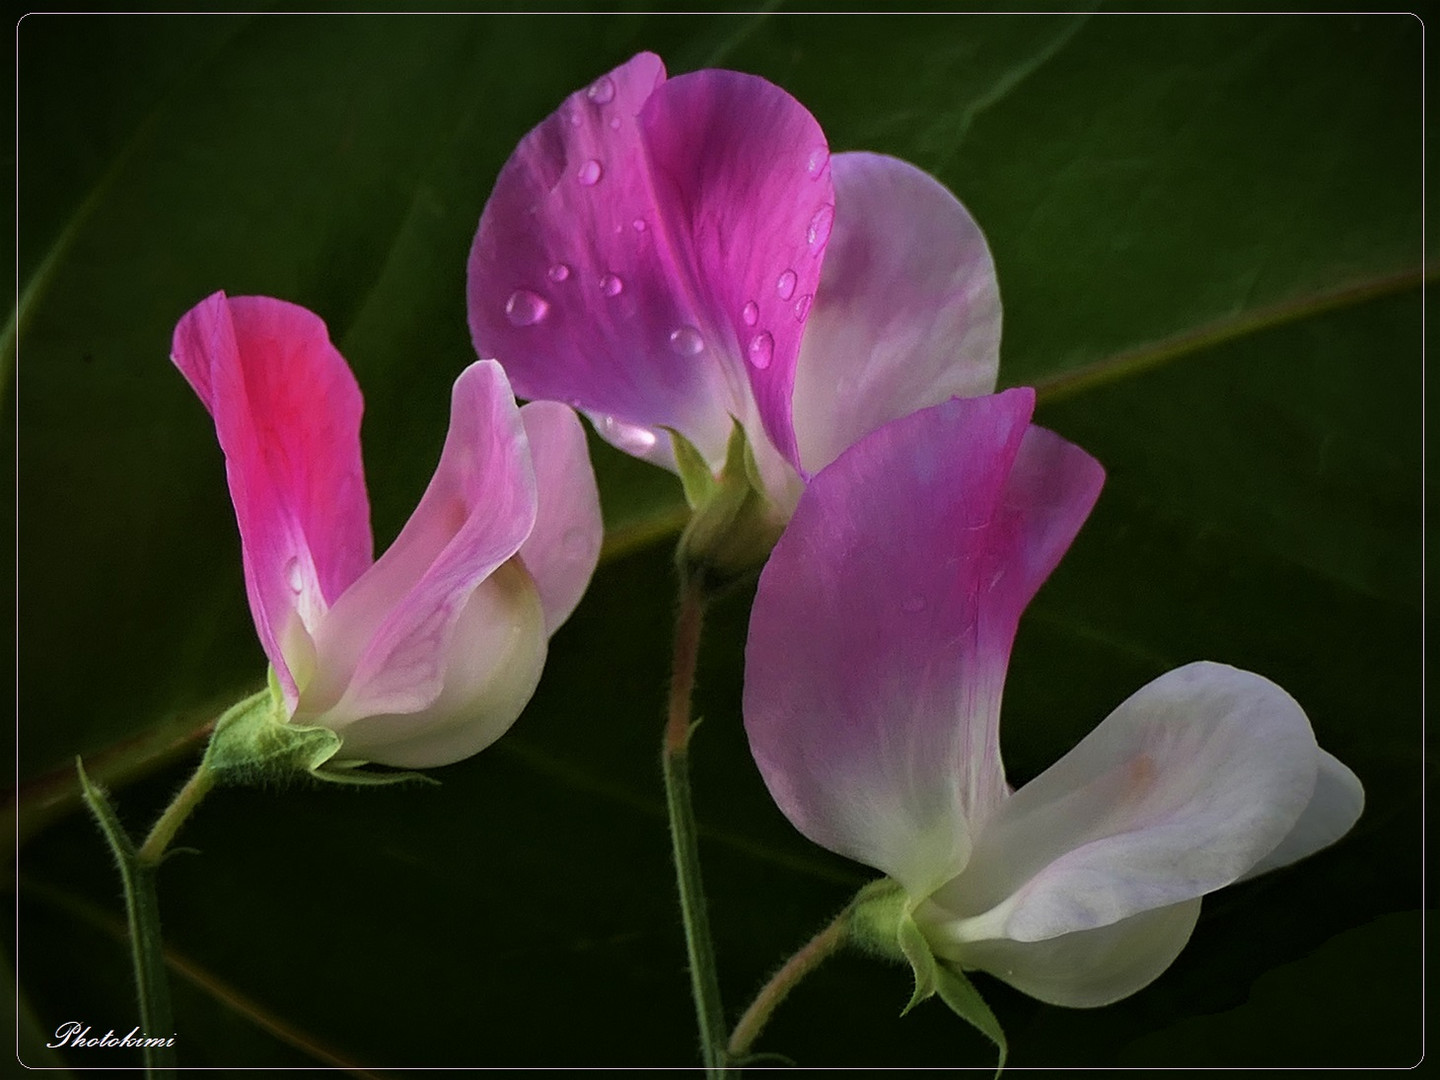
(1208, 232)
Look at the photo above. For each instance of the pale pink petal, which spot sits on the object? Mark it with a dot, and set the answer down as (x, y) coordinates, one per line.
(564, 546)
(643, 242)
(1181, 790)
(492, 665)
(883, 622)
(385, 645)
(1088, 968)
(287, 413)
(908, 312)
(1332, 811)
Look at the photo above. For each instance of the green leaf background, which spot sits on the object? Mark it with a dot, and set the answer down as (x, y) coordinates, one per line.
(1209, 238)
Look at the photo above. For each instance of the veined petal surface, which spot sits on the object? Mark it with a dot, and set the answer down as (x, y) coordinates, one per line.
(908, 312)
(644, 252)
(883, 623)
(384, 646)
(287, 413)
(1187, 785)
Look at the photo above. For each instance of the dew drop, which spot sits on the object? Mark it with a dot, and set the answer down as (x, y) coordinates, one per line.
(912, 604)
(639, 224)
(820, 224)
(589, 174)
(293, 576)
(802, 307)
(558, 273)
(628, 437)
(525, 308)
(602, 90)
(750, 313)
(611, 285)
(614, 123)
(785, 285)
(815, 164)
(762, 348)
(686, 341)
(575, 120)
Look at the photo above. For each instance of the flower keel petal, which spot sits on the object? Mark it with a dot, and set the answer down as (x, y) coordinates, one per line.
(1180, 791)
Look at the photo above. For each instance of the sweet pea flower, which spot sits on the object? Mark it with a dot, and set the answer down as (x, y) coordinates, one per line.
(876, 659)
(652, 255)
(427, 655)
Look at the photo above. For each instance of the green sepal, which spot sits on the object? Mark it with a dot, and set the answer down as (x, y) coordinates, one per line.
(695, 476)
(255, 743)
(350, 772)
(883, 923)
(875, 919)
(965, 1001)
(733, 524)
(922, 962)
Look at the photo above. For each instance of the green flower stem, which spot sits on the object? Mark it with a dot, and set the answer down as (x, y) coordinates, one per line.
(675, 762)
(806, 960)
(180, 808)
(138, 869)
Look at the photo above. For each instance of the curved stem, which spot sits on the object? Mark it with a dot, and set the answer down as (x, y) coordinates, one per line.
(180, 808)
(138, 867)
(675, 763)
(806, 960)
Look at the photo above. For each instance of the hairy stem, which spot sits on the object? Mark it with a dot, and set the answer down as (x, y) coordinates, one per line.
(138, 868)
(804, 961)
(675, 763)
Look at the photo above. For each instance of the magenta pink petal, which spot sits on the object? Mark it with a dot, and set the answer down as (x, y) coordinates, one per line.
(644, 251)
(383, 647)
(562, 549)
(882, 628)
(287, 414)
(908, 312)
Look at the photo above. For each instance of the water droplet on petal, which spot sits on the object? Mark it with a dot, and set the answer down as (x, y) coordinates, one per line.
(558, 273)
(686, 341)
(602, 90)
(762, 348)
(611, 285)
(525, 308)
(293, 576)
(750, 313)
(639, 224)
(575, 120)
(614, 123)
(820, 224)
(912, 604)
(629, 437)
(589, 174)
(785, 285)
(802, 307)
(815, 164)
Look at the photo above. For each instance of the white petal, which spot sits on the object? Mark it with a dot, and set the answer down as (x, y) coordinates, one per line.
(1089, 967)
(1180, 791)
(1334, 807)
(492, 666)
